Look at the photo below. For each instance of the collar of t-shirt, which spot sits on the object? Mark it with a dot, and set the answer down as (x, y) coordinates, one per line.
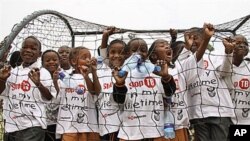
(34, 65)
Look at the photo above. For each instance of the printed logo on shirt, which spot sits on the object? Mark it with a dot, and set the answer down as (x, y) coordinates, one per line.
(25, 86)
(244, 83)
(148, 82)
(107, 85)
(80, 89)
(136, 116)
(205, 64)
(177, 84)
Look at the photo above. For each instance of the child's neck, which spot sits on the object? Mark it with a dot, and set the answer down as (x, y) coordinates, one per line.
(27, 64)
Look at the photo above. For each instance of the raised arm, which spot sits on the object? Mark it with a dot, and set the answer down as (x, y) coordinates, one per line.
(208, 31)
(34, 75)
(4, 74)
(227, 64)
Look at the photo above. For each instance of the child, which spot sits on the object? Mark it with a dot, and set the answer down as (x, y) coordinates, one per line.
(27, 88)
(208, 99)
(63, 52)
(77, 117)
(238, 77)
(50, 61)
(142, 117)
(108, 104)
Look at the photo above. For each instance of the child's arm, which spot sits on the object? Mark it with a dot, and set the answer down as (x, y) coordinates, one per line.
(55, 80)
(208, 31)
(4, 74)
(227, 65)
(93, 87)
(34, 75)
(119, 88)
(105, 36)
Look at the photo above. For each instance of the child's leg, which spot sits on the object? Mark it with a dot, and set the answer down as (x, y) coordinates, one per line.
(30, 134)
(93, 136)
(70, 137)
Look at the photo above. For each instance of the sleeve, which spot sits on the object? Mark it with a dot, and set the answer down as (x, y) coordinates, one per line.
(103, 53)
(169, 87)
(226, 67)
(119, 94)
(47, 82)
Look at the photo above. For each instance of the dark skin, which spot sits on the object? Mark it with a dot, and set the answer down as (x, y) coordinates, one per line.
(139, 46)
(198, 42)
(64, 57)
(84, 64)
(51, 63)
(240, 50)
(116, 60)
(162, 55)
(29, 53)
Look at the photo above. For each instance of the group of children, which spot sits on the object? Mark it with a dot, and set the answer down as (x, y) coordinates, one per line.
(70, 99)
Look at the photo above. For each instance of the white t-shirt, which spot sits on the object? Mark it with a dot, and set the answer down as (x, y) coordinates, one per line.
(25, 105)
(186, 68)
(143, 115)
(239, 86)
(208, 95)
(52, 107)
(109, 110)
(77, 111)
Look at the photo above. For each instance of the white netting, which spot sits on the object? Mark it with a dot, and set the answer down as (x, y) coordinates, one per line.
(54, 29)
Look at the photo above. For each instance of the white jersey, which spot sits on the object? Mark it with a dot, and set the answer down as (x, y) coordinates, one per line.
(25, 104)
(52, 107)
(109, 110)
(184, 72)
(239, 87)
(77, 111)
(208, 95)
(143, 115)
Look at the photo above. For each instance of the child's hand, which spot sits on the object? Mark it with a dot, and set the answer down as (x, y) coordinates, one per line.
(229, 45)
(93, 63)
(55, 76)
(110, 30)
(34, 75)
(208, 30)
(189, 39)
(164, 69)
(120, 81)
(5, 72)
(84, 70)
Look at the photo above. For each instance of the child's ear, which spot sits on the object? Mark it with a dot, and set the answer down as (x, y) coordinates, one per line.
(153, 57)
(73, 62)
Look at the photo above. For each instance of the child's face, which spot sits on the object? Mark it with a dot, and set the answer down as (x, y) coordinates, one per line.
(30, 51)
(140, 47)
(116, 55)
(64, 54)
(241, 47)
(163, 50)
(196, 42)
(51, 61)
(83, 58)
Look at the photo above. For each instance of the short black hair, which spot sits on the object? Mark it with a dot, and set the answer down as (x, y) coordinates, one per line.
(15, 59)
(49, 50)
(126, 49)
(37, 42)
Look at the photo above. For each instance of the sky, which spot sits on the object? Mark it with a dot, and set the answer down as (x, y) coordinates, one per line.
(130, 14)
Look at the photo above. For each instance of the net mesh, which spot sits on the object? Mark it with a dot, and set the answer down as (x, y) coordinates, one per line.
(54, 29)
